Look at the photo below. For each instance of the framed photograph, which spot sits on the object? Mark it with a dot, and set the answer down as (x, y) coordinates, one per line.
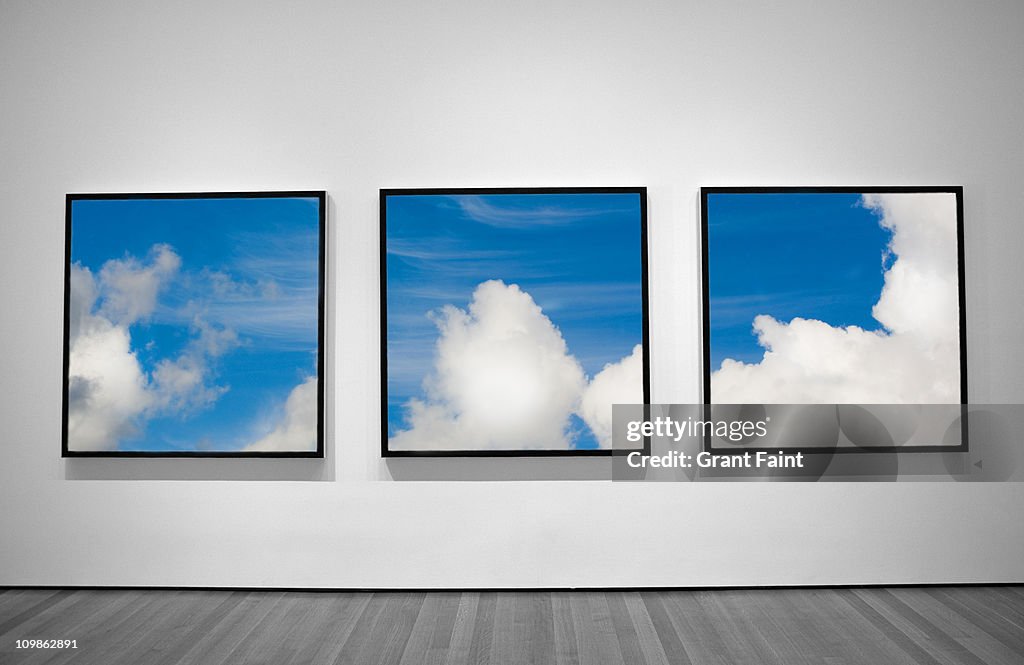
(838, 296)
(511, 319)
(194, 325)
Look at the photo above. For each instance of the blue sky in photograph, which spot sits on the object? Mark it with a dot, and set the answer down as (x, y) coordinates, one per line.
(576, 254)
(248, 272)
(810, 255)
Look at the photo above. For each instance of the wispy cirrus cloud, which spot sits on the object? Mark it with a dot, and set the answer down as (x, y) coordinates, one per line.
(273, 300)
(487, 210)
(444, 251)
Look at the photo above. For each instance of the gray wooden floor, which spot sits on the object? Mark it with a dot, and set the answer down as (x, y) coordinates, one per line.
(834, 626)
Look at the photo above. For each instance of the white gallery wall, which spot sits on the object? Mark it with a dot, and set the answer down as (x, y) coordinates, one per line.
(354, 96)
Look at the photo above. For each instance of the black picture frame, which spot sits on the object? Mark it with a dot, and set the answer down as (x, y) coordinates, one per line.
(957, 191)
(388, 193)
(321, 197)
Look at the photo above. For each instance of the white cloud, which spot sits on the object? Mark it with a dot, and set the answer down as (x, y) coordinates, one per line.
(920, 296)
(107, 389)
(184, 384)
(297, 429)
(617, 383)
(109, 394)
(130, 288)
(502, 379)
(914, 359)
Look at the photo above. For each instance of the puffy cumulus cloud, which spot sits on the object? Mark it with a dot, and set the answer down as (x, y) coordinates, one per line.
(913, 359)
(502, 379)
(84, 292)
(107, 389)
(297, 429)
(920, 296)
(109, 393)
(617, 383)
(130, 287)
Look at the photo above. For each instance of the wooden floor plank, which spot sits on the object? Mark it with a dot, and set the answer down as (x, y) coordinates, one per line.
(857, 638)
(483, 630)
(503, 647)
(345, 651)
(647, 635)
(1009, 614)
(668, 636)
(974, 639)
(150, 627)
(90, 646)
(291, 618)
(828, 626)
(699, 636)
(911, 632)
(938, 642)
(389, 634)
(938, 613)
(332, 621)
(606, 638)
(252, 650)
(16, 601)
(813, 616)
(216, 608)
(567, 648)
(116, 638)
(31, 612)
(625, 629)
(431, 633)
(214, 647)
(444, 629)
(893, 634)
(535, 628)
(981, 614)
(110, 609)
(595, 634)
(460, 648)
(1011, 598)
(415, 652)
(154, 629)
(746, 626)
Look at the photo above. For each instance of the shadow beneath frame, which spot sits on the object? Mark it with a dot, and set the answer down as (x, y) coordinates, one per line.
(219, 468)
(497, 468)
